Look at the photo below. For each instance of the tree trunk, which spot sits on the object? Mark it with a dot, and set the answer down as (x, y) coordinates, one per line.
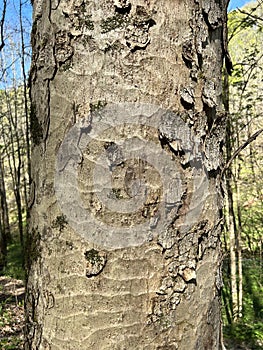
(4, 218)
(125, 222)
(233, 223)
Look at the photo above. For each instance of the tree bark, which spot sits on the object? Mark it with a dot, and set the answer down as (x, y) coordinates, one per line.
(106, 271)
(4, 219)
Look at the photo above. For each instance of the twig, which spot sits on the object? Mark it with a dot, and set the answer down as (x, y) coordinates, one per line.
(239, 26)
(236, 153)
(2, 21)
(250, 15)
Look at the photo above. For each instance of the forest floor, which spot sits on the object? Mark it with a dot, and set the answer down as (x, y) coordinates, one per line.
(12, 292)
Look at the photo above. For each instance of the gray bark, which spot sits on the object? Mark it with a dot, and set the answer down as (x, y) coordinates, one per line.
(127, 127)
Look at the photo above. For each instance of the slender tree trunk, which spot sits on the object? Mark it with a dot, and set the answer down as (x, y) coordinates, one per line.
(4, 205)
(4, 220)
(127, 127)
(240, 277)
(3, 247)
(13, 142)
(239, 243)
(230, 216)
(232, 248)
(226, 298)
(27, 168)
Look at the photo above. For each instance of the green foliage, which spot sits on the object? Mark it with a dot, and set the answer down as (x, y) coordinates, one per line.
(14, 267)
(245, 116)
(246, 44)
(248, 330)
(10, 343)
(11, 338)
(245, 334)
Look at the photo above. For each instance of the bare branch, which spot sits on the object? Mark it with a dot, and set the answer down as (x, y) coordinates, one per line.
(245, 144)
(250, 15)
(2, 21)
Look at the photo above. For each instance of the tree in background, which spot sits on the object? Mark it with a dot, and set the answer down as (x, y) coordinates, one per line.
(2, 23)
(14, 136)
(244, 173)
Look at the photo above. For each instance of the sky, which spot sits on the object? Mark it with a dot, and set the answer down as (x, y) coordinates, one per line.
(237, 3)
(10, 56)
(12, 27)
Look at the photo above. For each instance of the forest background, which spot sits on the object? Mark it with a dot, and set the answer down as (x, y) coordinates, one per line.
(242, 239)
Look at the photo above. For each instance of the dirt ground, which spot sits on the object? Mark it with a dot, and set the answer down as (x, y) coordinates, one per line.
(12, 320)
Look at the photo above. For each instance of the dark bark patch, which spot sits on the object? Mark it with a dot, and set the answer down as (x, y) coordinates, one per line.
(60, 222)
(187, 53)
(112, 23)
(33, 250)
(137, 34)
(96, 262)
(35, 126)
(63, 48)
(97, 106)
(123, 7)
(187, 97)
